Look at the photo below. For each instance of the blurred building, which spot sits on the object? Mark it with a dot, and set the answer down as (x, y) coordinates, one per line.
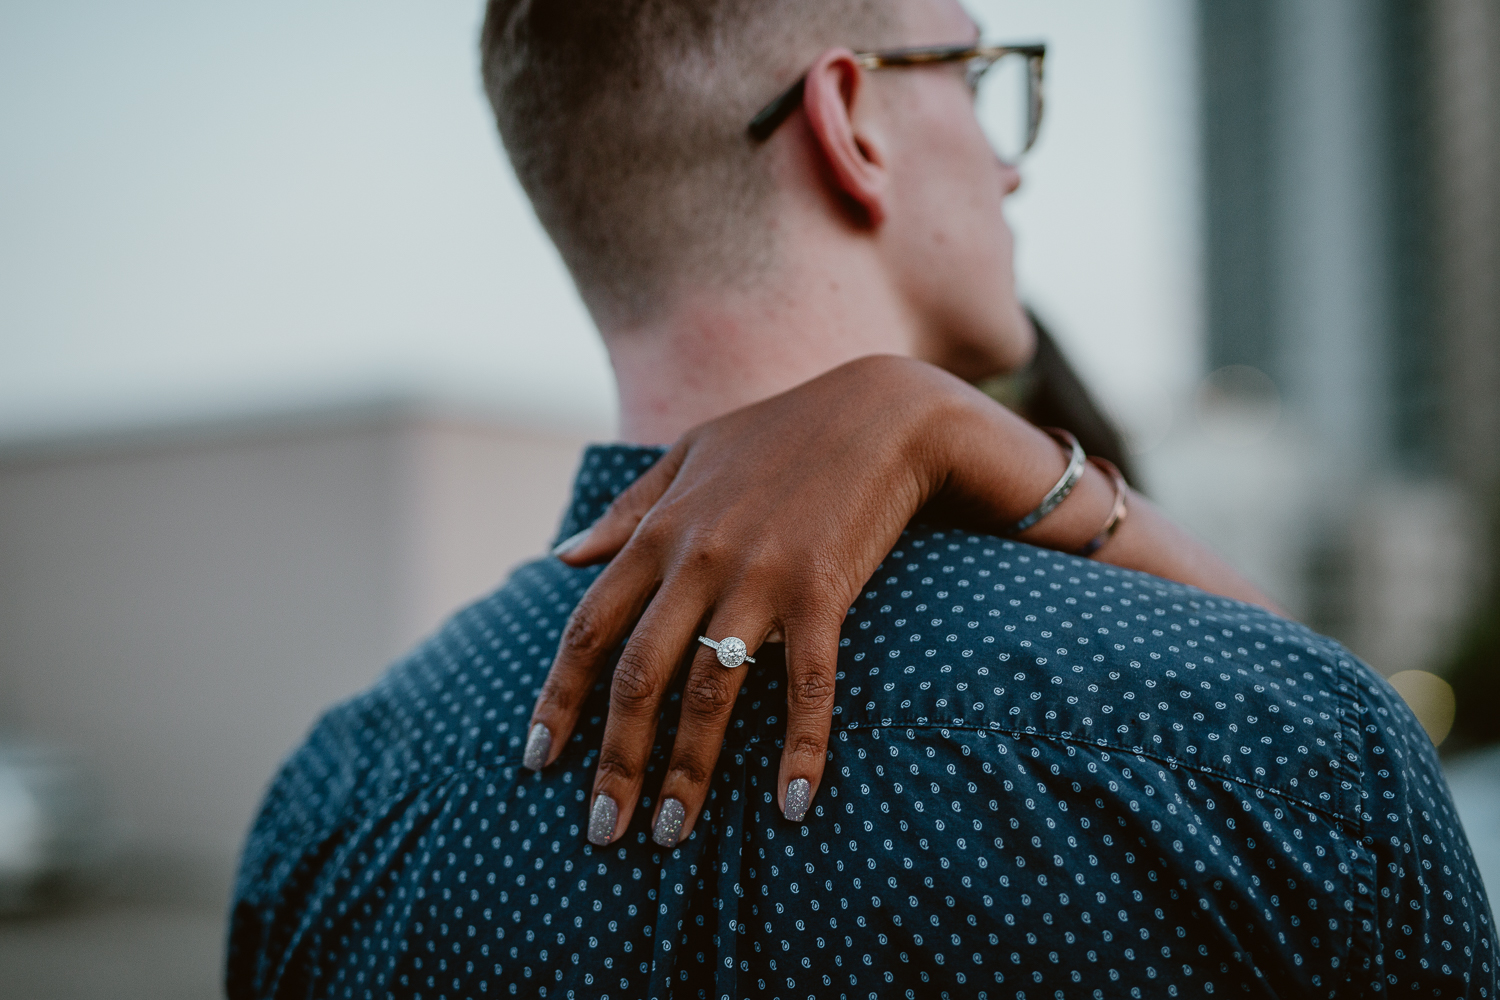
(178, 606)
(1351, 156)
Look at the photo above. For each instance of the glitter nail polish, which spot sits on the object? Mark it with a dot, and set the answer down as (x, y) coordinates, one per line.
(602, 820)
(538, 742)
(571, 542)
(798, 794)
(669, 823)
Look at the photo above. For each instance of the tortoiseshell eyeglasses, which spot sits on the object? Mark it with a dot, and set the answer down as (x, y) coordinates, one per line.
(1006, 81)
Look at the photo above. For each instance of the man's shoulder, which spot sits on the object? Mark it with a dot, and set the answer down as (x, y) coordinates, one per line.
(967, 629)
(467, 689)
(458, 698)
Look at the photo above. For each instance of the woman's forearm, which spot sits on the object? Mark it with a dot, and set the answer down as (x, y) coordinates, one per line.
(999, 468)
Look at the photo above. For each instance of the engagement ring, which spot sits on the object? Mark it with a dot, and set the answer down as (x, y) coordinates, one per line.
(731, 652)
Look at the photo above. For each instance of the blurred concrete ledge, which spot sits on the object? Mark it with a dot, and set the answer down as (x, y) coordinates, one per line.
(178, 603)
(150, 927)
(222, 420)
(143, 880)
(116, 951)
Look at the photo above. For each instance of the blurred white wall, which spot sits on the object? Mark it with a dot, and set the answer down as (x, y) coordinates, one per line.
(177, 608)
(209, 209)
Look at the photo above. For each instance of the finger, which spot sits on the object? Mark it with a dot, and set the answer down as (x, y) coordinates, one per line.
(608, 535)
(708, 699)
(644, 671)
(812, 654)
(595, 629)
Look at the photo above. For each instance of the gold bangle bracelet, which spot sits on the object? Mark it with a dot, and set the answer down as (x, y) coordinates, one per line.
(1116, 513)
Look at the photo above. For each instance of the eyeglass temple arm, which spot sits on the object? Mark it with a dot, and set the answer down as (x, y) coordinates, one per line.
(778, 111)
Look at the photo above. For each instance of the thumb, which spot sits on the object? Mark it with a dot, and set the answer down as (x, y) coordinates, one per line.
(608, 535)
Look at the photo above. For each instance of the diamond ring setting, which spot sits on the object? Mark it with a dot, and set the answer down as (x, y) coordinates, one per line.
(731, 651)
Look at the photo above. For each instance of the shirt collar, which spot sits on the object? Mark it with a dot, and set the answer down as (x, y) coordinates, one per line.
(603, 474)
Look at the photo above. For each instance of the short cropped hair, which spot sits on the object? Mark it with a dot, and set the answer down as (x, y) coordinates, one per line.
(625, 121)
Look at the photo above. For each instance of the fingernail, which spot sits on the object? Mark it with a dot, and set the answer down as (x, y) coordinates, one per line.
(571, 542)
(669, 823)
(538, 742)
(798, 793)
(602, 820)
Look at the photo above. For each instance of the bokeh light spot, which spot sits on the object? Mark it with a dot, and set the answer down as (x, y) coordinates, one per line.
(1430, 698)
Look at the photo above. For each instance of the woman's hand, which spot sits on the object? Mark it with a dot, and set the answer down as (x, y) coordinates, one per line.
(764, 524)
(761, 524)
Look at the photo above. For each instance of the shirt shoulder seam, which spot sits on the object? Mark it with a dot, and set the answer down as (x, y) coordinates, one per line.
(1345, 823)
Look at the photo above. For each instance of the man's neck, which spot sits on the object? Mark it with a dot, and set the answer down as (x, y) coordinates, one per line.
(729, 348)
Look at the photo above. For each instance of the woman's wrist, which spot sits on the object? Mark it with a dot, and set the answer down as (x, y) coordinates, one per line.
(997, 468)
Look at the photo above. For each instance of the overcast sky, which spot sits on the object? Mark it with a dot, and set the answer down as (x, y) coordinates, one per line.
(209, 209)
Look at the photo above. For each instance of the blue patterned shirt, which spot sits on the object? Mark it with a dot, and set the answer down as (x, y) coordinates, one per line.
(1048, 777)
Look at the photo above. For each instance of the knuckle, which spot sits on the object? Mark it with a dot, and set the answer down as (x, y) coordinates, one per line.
(633, 687)
(614, 767)
(706, 694)
(821, 614)
(650, 536)
(805, 747)
(707, 550)
(633, 501)
(584, 637)
(556, 696)
(656, 531)
(689, 772)
(812, 689)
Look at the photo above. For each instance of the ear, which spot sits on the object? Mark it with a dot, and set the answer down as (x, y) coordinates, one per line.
(830, 100)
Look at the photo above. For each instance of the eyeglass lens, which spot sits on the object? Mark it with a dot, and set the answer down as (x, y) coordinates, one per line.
(1006, 103)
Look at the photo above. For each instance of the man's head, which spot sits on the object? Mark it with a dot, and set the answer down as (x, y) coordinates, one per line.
(626, 121)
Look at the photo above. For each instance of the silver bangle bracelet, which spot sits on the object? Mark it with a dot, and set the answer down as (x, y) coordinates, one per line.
(1064, 486)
